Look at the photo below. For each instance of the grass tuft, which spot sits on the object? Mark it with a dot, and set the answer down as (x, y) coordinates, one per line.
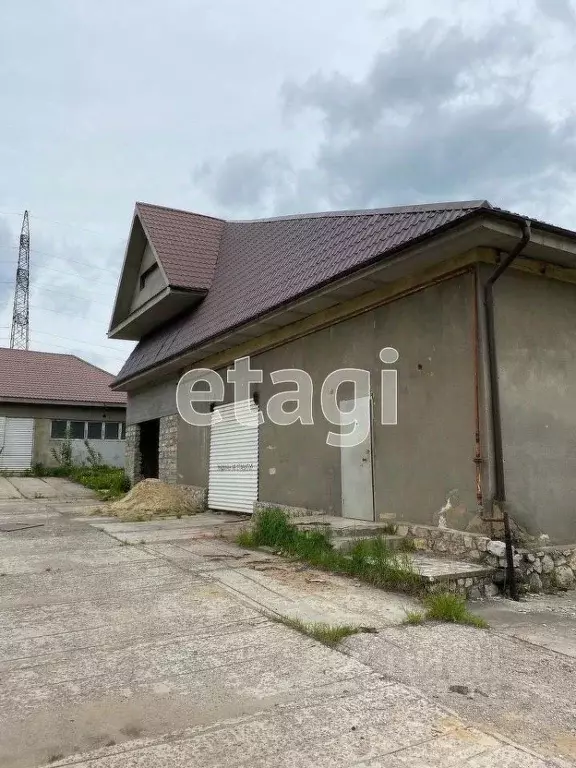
(414, 617)
(445, 606)
(328, 634)
(370, 560)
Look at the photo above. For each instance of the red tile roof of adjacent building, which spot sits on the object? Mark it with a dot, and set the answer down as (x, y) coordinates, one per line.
(36, 376)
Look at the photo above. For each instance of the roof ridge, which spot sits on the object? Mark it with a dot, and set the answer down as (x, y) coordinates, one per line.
(391, 210)
(41, 352)
(86, 362)
(178, 210)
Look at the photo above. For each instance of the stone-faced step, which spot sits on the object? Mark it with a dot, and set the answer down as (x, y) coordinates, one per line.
(346, 543)
(343, 527)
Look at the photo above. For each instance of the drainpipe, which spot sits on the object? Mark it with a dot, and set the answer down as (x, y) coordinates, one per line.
(499, 482)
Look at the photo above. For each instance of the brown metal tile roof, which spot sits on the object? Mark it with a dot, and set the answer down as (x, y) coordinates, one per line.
(28, 375)
(186, 244)
(263, 264)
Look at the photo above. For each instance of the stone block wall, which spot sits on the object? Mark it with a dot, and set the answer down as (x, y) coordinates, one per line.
(168, 449)
(264, 506)
(445, 542)
(133, 464)
(541, 570)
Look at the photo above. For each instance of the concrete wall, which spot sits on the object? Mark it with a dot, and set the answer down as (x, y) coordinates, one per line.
(536, 344)
(154, 282)
(152, 402)
(193, 455)
(112, 450)
(418, 462)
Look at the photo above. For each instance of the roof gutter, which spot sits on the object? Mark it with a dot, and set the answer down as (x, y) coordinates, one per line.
(495, 411)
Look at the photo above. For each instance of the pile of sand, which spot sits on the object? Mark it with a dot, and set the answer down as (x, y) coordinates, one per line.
(152, 498)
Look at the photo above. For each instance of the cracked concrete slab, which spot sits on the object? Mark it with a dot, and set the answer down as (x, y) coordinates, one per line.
(161, 655)
(64, 487)
(34, 487)
(8, 490)
(496, 682)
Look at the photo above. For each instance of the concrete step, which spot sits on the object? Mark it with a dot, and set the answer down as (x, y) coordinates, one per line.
(343, 527)
(346, 543)
(443, 574)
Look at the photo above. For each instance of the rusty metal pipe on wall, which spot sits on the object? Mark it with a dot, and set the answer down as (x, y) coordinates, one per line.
(495, 410)
(477, 442)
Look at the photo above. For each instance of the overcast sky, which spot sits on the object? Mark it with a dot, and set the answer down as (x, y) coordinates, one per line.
(246, 109)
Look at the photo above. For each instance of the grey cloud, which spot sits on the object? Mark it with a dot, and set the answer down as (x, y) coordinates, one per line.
(245, 179)
(441, 114)
(425, 68)
(559, 10)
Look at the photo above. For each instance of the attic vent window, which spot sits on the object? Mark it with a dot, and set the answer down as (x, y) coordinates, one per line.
(147, 274)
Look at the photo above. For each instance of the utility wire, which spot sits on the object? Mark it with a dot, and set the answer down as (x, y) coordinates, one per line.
(61, 346)
(58, 223)
(65, 272)
(69, 295)
(66, 259)
(68, 338)
(67, 314)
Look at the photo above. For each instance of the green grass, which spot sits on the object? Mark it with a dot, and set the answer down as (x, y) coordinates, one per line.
(414, 617)
(451, 608)
(389, 529)
(370, 560)
(328, 634)
(109, 482)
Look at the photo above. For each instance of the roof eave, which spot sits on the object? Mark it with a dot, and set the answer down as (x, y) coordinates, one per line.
(474, 216)
(68, 403)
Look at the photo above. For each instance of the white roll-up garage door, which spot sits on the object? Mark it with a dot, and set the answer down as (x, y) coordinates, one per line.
(233, 479)
(16, 443)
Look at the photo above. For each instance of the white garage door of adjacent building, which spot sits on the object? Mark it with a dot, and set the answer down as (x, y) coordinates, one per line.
(16, 443)
(233, 477)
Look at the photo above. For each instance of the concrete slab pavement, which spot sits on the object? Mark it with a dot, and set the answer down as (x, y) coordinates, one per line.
(33, 487)
(161, 655)
(496, 682)
(64, 487)
(8, 490)
(547, 621)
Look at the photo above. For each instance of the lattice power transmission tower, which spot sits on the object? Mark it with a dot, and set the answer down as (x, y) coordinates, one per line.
(20, 335)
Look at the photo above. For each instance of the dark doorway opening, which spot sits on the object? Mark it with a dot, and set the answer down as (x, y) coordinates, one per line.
(149, 447)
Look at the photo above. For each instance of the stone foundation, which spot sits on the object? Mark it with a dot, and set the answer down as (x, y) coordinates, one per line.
(475, 587)
(262, 506)
(546, 569)
(168, 449)
(198, 497)
(446, 542)
(133, 460)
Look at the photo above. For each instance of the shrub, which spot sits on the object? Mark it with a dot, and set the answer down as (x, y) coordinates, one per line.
(63, 453)
(94, 457)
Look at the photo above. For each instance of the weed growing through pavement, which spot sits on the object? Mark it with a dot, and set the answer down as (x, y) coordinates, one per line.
(370, 560)
(327, 634)
(445, 606)
(414, 617)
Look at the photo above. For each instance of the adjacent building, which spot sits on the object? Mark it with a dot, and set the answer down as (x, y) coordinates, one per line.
(46, 398)
(480, 304)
